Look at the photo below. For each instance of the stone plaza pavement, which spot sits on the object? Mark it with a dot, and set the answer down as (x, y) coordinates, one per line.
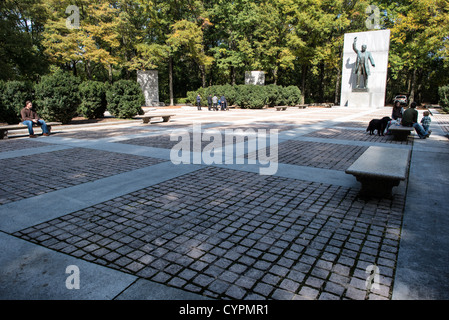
(108, 200)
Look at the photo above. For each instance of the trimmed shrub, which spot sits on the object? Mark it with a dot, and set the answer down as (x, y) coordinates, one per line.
(274, 95)
(191, 96)
(13, 95)
(4, 113)
(291, 95)
(444, 97)
(125, 99)
(93, 99)
(57, 97)
(250, 96)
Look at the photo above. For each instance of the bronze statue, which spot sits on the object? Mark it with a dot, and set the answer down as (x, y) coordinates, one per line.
(362, 65)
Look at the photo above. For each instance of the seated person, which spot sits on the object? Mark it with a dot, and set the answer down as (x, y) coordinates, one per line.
(410, 119)
(426, 120)
(396, 115)
(30, 117)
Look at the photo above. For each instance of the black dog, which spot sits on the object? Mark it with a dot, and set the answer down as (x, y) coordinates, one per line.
(379, 125)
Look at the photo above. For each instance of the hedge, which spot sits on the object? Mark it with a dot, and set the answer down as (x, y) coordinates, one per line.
(93, 99)
(444, 97)
(13, 95)
(125, 99)
(250, 96)
(57, 97)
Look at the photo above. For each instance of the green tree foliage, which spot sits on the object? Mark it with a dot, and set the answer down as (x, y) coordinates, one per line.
(444, 97)
(203, 43)
(419, 43)
(95, 40)
(21, 24)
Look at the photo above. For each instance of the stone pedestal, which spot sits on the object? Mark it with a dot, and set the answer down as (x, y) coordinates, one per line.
(255, 77)
(378, 43)
(149, 82)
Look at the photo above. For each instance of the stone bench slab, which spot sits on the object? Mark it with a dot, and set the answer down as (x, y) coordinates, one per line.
(147, 117)
(379, 169)
(4, 129)
(400, 132)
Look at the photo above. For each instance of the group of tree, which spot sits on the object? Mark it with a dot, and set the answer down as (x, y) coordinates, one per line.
(198, 43)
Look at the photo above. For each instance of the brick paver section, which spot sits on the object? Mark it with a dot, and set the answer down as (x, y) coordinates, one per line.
(99, 133)
(339, 133)
(157, 141)
(223, 233)
(164, 140)
(442, 120)
(238, 235)
(14, 145)
(29, 176)
(314, 154)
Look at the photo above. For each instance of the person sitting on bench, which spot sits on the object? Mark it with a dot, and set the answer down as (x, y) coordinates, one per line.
(30, 117)
(410, 119)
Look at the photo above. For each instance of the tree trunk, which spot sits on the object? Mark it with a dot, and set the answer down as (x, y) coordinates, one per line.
(170, 79)
(110, 73)
(321, 88)
(232, 72)
(337, 96)
(419, 88)
(412, 88)
(275, 75)
(88, 70)
(75, 71)
(337, 88)
(303, 83)
(203, 76)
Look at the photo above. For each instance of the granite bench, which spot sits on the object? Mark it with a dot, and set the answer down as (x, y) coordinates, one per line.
(165, 117)
(400, 133)
(379, 169)
(279, 108)
(5, 128)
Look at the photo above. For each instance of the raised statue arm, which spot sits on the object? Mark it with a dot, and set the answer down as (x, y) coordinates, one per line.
(354, 45)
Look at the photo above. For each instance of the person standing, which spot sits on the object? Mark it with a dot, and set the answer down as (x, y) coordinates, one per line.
(215, 102)
(198, 101)
(30, 117)
(223, 103)
(209, 101)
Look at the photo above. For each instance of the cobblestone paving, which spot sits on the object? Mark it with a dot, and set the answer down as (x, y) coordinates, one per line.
(442, 120)
(265, 126)
(360, 135)
(168, 141)
(354, 124)
(218, 232)
(100, 133)
(13, 145)
(29, 176)
(315, 154)
(230, 234)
